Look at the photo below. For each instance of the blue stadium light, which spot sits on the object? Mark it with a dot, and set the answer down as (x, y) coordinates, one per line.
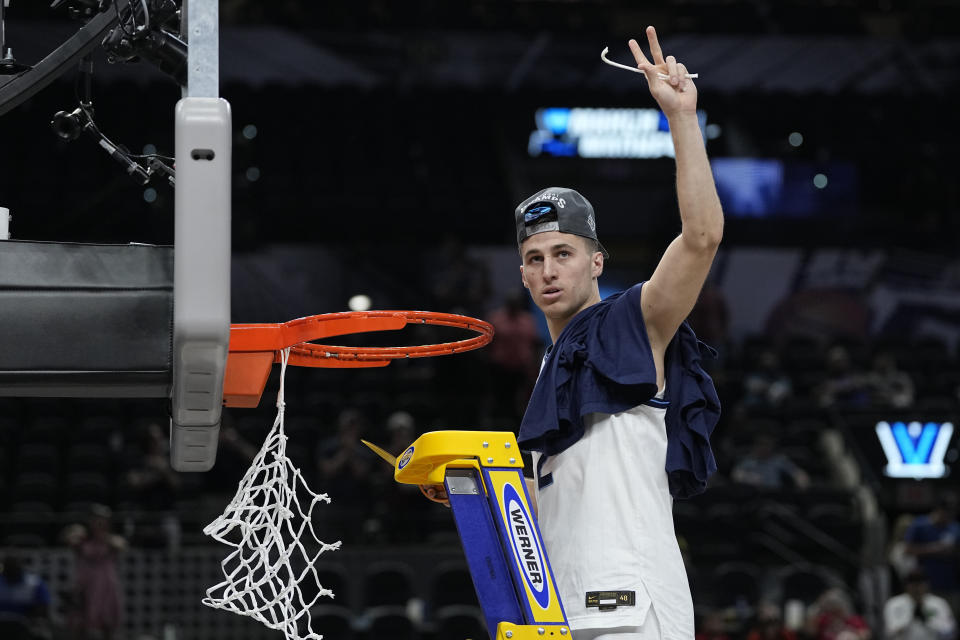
(915, 450)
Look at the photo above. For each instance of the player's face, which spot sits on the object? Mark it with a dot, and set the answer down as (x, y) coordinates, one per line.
(561, 273)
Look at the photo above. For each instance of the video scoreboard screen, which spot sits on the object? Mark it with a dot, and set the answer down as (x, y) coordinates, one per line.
(748, 187)
(587, 132)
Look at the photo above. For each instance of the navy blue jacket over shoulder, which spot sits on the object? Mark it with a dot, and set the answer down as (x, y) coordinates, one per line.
(602, 363)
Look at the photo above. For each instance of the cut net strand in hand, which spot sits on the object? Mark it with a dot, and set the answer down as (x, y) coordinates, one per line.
(275, 544)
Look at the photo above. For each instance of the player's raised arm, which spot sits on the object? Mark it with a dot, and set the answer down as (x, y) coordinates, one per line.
(672, 290)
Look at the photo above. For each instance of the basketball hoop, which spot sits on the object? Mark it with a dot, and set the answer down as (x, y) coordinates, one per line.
(269, 522)
(254, 348)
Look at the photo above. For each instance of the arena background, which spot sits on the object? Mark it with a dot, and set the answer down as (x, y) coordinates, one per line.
(380, 148)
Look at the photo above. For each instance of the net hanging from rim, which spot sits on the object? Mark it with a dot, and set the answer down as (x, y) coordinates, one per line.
(275, 546)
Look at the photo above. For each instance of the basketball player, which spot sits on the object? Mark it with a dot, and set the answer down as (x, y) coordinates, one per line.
(621, 413)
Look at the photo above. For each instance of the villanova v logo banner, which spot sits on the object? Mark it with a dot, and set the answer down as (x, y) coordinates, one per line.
(915, 450)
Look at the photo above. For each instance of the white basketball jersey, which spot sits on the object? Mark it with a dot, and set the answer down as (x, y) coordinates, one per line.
(607, 523)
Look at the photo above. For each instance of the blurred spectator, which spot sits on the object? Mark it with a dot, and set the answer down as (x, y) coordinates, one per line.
(234, 453)
(769, 624)
(832, 617)
(891, 387)
(899, 558)
(402, 432)
(152, 484)
(98, 599)
(24, 603)
(917, 614)
(152, 480)
(932, 539)
(344, 462)
(397, 507)
(844, 385)
(764, 468)
(769, 385)
(513, 357)
(713, 627)
(459, 282)
(710, 317)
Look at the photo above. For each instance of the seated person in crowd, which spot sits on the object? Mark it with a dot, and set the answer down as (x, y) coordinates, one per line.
(769, 624)
(763, 467)
(832, 617)
(892, 387)
(712, 627)
(932, 540)
(24, 603)
(343, 461)
(768, 386)
(918, 614)
(844, 385)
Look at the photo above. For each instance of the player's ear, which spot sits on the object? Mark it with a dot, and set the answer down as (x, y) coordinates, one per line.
(597, 266)
(523, 278)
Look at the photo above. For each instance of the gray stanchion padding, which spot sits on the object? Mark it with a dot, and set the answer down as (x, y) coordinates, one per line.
(201, 312)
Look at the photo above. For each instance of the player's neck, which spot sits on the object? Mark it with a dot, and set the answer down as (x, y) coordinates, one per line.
(558, 324)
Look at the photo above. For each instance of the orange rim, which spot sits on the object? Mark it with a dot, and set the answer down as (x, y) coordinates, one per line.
(254, 348)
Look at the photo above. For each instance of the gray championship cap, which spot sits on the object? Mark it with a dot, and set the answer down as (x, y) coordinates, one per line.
(557, 209)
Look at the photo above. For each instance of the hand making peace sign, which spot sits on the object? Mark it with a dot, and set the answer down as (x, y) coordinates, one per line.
(677, 94)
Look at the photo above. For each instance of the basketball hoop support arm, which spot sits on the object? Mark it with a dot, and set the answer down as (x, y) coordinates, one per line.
(4, 219)
(201, 306)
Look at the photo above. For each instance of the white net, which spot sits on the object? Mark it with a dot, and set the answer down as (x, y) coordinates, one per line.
(275, 545)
